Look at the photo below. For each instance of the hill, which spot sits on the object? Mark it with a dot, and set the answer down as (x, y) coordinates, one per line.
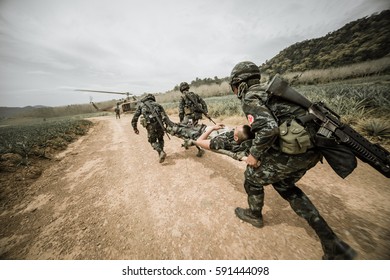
(9, 112)
(359, 41)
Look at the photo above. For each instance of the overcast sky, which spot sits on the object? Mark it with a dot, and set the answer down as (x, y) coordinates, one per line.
(48, 48)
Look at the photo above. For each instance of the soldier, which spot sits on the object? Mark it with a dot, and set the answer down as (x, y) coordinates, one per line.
(234, 142)
(186, 132)
(117, 112)
(191, 106)
(153, 118)
(218, 138)
(267, 164)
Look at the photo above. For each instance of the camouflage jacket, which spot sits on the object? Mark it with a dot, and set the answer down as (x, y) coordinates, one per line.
(224, 143)
(186, 106)
(148, 115)
(264, 116)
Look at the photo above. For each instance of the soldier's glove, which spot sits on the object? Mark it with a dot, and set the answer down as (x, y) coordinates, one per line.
(136, 131)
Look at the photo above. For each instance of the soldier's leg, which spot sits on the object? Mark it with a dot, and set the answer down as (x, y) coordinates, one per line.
(153, 138)
(200, 151)
(160, 140)
(333, 247)
(253, 214)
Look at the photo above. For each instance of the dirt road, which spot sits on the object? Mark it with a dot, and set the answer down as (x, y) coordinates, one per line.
(108, 197)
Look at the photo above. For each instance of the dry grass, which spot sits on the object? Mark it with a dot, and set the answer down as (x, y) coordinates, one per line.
(204, 91)
(363, 69)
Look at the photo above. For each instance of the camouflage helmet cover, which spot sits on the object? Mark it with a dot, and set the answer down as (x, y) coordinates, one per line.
(243, 71)
(149, 96)
(184, 86)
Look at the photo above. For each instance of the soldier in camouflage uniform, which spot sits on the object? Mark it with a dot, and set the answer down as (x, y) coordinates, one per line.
(266, 164)
(231, 142)
(185, 131)
(151, 123)
(191, 106)
(217, 138)
(117, 112)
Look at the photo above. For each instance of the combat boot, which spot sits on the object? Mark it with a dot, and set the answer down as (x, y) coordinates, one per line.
(334, 248)
(337, 249)
(253, 214)
(255, 219)
(200, 152)
(162, 156)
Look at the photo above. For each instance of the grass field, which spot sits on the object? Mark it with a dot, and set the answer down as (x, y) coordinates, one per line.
(39, 138)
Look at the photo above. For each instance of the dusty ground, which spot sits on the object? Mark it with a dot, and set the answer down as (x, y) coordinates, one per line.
(107, 197)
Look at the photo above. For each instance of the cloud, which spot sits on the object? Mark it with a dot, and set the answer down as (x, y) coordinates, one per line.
(148, 46)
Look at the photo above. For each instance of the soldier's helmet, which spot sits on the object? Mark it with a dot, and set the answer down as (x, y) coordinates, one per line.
(184, 86)
(243, 71)
(150, 97)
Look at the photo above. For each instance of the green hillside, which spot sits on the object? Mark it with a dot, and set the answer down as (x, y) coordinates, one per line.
(359, 41)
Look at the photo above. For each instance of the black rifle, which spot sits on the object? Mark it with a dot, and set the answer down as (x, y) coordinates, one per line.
(197, 107)
(155, 114)
(330, 126)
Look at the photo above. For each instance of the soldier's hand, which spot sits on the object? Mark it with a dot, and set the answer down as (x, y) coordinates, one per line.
(136, 131)
(218, 126)
(252, 161)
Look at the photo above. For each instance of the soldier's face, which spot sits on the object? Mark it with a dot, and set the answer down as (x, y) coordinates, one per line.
(234, 89)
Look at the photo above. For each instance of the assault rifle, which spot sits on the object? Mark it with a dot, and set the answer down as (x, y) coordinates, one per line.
(331, 126)
(155, 114)
(197, 107)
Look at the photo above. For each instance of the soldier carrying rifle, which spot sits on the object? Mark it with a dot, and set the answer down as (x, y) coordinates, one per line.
(153, 117)
(282, 151)
(191, 106)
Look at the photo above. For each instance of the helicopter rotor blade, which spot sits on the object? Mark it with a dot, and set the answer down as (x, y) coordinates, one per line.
(112, 92)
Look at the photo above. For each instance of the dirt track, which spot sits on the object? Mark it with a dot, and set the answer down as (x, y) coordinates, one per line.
(108, 197)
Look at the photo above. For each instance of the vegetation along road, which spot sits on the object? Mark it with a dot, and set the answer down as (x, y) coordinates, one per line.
(108, 197)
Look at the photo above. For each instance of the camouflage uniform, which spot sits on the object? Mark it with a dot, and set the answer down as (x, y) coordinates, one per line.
(153, 127)
(117, 113)
(279, 169)
(188, 112)
(275, 165)
(186, 131)
(224, 143)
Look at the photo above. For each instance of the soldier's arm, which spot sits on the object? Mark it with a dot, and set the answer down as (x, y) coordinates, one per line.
(165, 117)
(263, 124)
(240, 156)
(203, 140)
(135, 119)
(204, 105)
(181, 109)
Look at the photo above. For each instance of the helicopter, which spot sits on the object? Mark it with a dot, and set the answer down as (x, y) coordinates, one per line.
(127, 105)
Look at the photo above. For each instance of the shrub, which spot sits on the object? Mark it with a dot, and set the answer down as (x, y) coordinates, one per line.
(375, 127)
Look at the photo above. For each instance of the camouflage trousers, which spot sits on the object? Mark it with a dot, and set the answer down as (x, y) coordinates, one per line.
(186, 131)
(280, 170)
(155, 136)
(283, 171)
